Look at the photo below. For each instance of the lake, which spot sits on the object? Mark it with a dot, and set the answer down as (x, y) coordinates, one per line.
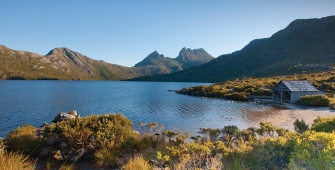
(36, 102)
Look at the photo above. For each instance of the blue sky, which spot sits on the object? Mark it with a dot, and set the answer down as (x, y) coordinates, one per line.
(125, 32)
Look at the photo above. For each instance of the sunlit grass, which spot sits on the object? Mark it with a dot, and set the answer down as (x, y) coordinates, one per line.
(136, 163)
(16, 161)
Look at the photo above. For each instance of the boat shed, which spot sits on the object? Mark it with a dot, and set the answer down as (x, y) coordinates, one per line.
(290, 91)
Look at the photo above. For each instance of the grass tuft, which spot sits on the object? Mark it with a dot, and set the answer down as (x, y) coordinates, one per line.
(15, 161)
(138, 162)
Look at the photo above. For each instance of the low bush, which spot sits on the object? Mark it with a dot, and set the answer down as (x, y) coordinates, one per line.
(237, 96)
(324, 124)
(265, 153)
(86, 135)
(314, 150)
(23, 139)
(187, 156)
(269, 128)
(314, 100)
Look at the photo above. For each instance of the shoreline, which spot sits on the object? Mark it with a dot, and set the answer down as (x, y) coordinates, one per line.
(284, 118)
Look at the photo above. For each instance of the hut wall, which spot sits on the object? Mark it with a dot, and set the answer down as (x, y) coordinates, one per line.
(295, 95)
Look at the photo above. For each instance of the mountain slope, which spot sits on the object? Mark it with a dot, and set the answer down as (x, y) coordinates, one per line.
(64, 64)
(305, 45)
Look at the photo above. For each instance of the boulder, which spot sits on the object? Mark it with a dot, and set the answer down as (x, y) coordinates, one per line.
(64, 116)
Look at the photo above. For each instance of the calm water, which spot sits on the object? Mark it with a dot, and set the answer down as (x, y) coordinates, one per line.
(36, 102)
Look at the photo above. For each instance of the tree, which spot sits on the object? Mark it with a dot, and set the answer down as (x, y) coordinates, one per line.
(229, 133)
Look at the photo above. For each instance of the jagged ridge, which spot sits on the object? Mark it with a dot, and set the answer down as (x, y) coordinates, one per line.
(186, 59)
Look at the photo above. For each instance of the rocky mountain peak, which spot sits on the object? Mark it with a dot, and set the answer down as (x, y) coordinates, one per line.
(184, 49)
(155, 54)
(189, 55)
(78, 59)
(149, 60)
(59, 50)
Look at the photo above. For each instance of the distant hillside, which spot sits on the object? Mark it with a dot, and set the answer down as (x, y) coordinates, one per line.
(186, 59)
(304, 46)
(63, 64)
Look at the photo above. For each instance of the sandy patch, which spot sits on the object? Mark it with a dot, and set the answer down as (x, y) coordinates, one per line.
(285, 118)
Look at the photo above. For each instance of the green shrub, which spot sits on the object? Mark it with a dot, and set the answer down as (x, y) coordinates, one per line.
(89, 134)
(23, 139)
(181, 137)
(187, 155)
(324, 124)
(300, 126)
(314, 100)
(237, 96)
(314, 150)
(269, 128)
(274, 152)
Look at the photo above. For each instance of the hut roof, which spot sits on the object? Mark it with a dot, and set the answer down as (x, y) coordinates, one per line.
(299, 85)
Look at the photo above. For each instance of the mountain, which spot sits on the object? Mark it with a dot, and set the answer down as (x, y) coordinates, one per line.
(305, 45)
(64, 64)
(167, 65)
(187, 58)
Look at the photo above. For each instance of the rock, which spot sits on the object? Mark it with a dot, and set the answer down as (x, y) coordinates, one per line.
(78, 154)
(137, 133)
(58, 156)
(40, 130)
(64, 116)
(73, 112)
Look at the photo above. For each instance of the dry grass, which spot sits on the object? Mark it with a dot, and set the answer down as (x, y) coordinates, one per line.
(15, 161)
(138, 162)
(105, 157)
(67, 167)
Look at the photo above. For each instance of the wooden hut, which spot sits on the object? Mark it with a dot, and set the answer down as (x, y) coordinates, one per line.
(291, 91)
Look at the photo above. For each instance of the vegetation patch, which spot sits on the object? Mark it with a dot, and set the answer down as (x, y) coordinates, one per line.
(324, 125)
(108, 141)
(314, 100)
(15, 160)
(247, 88)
